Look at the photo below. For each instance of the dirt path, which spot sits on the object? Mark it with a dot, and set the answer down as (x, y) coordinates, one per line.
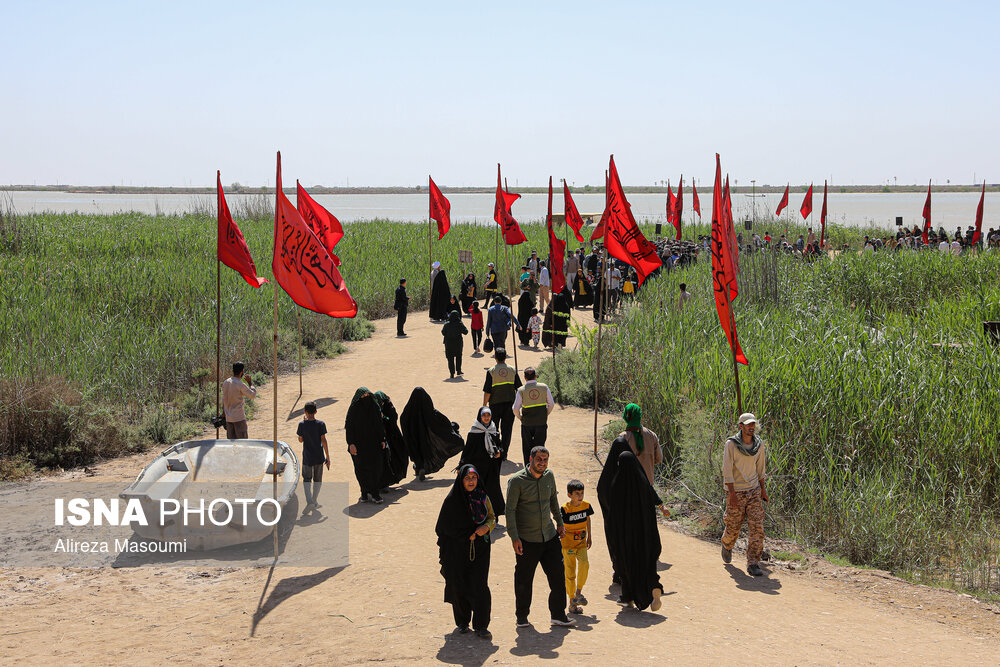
(387, 604)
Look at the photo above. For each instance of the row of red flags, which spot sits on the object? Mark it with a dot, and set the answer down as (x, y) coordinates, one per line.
(807, 208)
(976, 236)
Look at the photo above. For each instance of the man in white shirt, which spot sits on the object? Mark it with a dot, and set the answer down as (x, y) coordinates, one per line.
(944, 246)
(956, 247)
(234, 390)
(544, 286)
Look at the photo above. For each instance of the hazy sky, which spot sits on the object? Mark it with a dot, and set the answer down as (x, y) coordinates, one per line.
(383, 93)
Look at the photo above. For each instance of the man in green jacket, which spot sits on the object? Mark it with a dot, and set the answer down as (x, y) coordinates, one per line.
(532, 504)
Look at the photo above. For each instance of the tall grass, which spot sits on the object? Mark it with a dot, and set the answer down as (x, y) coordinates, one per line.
(876, 388)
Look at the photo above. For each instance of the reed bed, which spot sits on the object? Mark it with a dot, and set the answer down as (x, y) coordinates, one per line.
(876, 388)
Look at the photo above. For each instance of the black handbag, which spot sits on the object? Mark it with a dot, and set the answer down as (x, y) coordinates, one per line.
(488, 345)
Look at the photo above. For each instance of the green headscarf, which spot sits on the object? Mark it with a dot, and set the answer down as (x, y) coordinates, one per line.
(380, 399)
(633, 422)
(359, 394)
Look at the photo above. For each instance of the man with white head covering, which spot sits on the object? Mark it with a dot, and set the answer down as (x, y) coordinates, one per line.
(744, 459)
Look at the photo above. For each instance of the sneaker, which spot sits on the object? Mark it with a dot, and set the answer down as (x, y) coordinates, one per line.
(563, 622)
(580, 599)
(755, 570)
(462, 629)
(657, 603)
(523, 623)
(727, 555)
(621, 602)
(363, 498)
(377, 500)
(575, 609)
(484, 633)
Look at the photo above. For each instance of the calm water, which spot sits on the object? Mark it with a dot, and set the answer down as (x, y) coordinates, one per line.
(949, 209)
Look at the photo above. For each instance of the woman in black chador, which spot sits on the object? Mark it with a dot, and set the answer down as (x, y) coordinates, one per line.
(524, 306)
(482, 450)
(557, 319)
(440, 296)
(431, 438)
(366, 443)
(469, 292)
(463, 529)
(394, 470)
(619, 445)
(634, 534)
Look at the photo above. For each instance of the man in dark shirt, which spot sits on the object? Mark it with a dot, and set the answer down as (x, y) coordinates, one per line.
(315, 453)
(401, 304)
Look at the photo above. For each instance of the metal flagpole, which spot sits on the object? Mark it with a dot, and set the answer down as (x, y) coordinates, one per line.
(274, 389)
(430, 260)
(218, 336)
(299, 314)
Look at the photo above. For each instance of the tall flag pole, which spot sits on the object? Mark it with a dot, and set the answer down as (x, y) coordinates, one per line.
(671, 205)
(724, 277)
(978, 235)
(927, 215)
(557, 249)
(274, 389)
(822, 219)
(695, 203)
(679, 206)
(439, 209)
(573, 219)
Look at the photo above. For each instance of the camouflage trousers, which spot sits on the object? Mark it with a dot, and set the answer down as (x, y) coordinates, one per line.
(749, 505)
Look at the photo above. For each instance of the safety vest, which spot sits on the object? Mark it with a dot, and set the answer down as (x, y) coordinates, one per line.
(534, 404)
(503, 377)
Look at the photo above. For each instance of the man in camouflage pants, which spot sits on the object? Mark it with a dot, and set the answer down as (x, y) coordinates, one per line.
(743, 472)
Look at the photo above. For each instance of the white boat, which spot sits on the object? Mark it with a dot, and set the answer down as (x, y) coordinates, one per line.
(214, 493)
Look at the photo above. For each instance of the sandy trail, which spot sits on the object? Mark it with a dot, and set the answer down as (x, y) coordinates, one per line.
(387, 604)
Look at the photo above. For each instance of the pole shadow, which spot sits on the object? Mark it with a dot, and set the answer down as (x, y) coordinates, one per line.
(286, 588)
(320, 403)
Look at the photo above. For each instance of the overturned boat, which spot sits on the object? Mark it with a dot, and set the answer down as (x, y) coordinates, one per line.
(214, 493)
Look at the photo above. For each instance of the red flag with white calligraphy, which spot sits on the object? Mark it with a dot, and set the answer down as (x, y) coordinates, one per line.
(927, 214)
(623, 238)
(695, 203)
(723, 268)
(979, 217)
(784, 201)
(440, 209)
(557, 249)
(573, 218)
(303, 266)
(324, 224)
(512, 234)
(231, 248)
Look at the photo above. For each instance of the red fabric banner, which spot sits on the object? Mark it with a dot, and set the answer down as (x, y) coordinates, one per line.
(603, 224)
(979, 217)
(324, 224)
(679, 206)
(695, 203)
(822, 219)
(807, 203)
(783, 203)
(303, 266)
(557, 249)
(573, 218)
(623, 238)
(927, 214)
(671, 205)
(723, 267)
(231, 248)
(512, 234)
(440, 209)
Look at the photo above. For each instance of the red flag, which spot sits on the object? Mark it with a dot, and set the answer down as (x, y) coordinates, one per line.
(623, 238)
(723, 271)
(807, 203)
(303, 266)
(730, 230)
(679, 206)
(695, 204)
(783, 203)
(512, 234)
(557, 249)
(927, 214)
(602, 225)
(324, 224)
(671, 205)
(573, 218)
(822, 219)
(979, 217)
(231, 248)
(440, 209)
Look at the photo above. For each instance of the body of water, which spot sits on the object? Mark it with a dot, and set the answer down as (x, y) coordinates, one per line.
(853, 209)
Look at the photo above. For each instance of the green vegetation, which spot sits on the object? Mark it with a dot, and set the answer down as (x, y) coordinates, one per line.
(877, 391)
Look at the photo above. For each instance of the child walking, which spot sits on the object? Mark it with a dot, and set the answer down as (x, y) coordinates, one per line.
(535, 327)
(575, 542)
(315, 453)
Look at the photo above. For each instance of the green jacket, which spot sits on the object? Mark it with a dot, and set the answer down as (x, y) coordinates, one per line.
(532, 503)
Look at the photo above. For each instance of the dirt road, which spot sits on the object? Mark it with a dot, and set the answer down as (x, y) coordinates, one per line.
(387, 604)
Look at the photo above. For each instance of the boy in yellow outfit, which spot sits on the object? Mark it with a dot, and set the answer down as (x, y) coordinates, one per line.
(575, 542)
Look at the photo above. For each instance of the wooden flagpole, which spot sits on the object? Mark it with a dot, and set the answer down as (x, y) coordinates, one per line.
(430, 260)
(298, 313)
(218, 337)
(510, 287)
(274, 389)
(600, 323)
(732, 348)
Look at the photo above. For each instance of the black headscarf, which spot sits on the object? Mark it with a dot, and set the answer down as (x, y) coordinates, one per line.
(462, 511)
(364, 429)
(440, 297)
(430, 436)
(634, 533)
(524, 305)
(395, 470)
(481, 444)
(619, 445)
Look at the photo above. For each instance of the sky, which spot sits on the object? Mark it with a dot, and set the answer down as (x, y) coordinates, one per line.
(385, 93)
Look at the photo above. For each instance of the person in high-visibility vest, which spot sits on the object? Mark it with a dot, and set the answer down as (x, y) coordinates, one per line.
(532, 406)
(499, 390)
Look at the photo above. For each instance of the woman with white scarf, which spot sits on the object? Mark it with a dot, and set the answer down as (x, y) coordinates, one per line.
(482, 450)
